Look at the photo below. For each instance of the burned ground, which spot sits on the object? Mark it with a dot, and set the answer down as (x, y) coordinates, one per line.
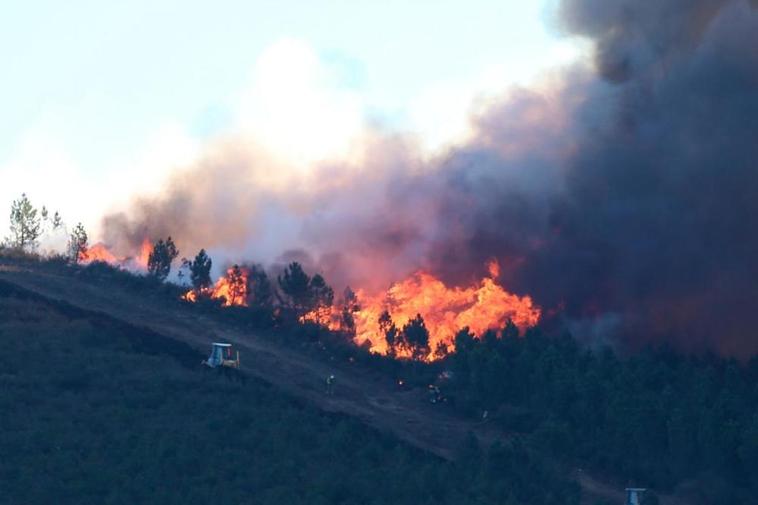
(98, 410)
(537, 390)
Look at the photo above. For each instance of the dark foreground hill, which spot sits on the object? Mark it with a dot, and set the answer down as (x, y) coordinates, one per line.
(96, 411)
(686, 426)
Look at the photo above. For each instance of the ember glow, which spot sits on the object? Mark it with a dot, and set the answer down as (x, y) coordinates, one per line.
(232, 288)
(445, 310)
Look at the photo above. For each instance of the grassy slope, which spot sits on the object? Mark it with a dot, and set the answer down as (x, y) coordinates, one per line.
(94, 412)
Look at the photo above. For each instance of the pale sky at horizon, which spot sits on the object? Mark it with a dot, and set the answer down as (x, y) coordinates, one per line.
(99, 99)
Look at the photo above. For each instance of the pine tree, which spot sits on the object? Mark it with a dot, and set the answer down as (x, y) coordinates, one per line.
(57, 220)
(415, 338)
(349, 307)
(200, 270)
(295, 285)
(390, 332)
(77, 243)
(25, 224)
(260, 289)
(160, 258)
(237, 286)
(320, 299)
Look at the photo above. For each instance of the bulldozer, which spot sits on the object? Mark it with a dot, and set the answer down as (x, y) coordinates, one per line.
(222, 356)
(636, 496)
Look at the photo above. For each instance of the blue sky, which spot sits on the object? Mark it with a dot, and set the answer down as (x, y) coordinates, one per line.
(99, 99)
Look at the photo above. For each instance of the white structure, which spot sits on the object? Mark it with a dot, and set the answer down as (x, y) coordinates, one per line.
(221, 355)
(634, 495)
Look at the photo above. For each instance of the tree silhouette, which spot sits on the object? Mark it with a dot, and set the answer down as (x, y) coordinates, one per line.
(441, 350)
(349, 307)
(295, 284)
(415, 338)
(261, 292)
(464, 340)
(160, 258)
(237, 286)
(510, 330)
(320, 299)
(25, 224)
(57, 220)
(200, 271)
(306, 295)
(389, 330)
(77, 243)
(48, 223)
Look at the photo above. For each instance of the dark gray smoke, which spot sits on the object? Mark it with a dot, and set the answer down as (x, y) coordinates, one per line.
(625, 197)
(657, 219)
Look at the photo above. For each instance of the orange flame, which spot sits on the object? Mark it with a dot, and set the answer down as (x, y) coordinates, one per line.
(232, 288)
(144, 254)
(445, 310)
(98, 252)
(101, 252)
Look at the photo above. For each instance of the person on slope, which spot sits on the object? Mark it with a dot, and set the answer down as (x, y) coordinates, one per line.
(330, 385)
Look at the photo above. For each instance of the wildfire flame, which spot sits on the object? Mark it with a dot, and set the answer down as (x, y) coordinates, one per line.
(445, 310)
(98, 252)
(232, 288)
(101, 252)
(144, 254)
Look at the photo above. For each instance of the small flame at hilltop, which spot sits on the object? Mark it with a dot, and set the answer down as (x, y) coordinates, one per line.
(144, 254)
(232, 288)
(98, 252)
(101, 252)
(445, 310)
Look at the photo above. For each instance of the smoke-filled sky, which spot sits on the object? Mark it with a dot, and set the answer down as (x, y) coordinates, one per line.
(101, 99)
(611, 170)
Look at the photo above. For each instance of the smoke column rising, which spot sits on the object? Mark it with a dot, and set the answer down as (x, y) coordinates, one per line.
(625, 194)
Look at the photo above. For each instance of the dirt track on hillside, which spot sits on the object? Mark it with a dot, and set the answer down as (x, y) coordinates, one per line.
(359, 394)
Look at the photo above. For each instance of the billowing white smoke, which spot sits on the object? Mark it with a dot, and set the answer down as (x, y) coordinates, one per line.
(624, 191)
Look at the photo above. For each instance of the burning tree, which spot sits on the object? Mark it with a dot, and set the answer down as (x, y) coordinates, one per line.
(231, 289)
(160, 258)
(445, 309)
(320, 299)
(311, 299)
(25, 225)
(237, 283)
(77, 244)
(412, 341)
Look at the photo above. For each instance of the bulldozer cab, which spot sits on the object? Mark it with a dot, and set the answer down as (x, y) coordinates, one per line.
(635, 495)
(222, 355)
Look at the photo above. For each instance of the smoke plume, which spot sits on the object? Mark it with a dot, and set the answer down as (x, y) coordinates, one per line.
(622, 196)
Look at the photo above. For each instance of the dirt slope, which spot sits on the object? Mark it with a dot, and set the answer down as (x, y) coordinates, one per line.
(359, 394)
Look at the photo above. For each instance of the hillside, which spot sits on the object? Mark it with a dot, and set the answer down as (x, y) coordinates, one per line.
(98, 411)
(542, 433)
(362, 394)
